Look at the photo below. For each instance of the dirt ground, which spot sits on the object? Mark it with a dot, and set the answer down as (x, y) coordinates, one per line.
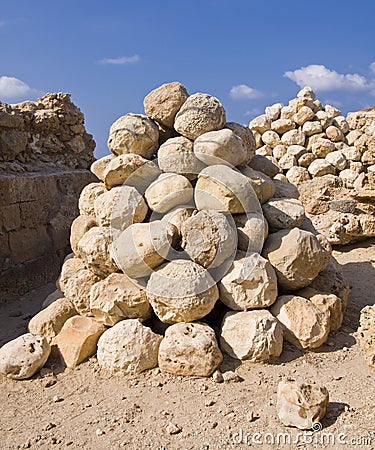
(84, 408)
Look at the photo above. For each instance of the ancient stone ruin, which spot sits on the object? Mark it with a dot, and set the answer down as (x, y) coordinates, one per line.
(45, 153)
(329, 157)
(186, 249)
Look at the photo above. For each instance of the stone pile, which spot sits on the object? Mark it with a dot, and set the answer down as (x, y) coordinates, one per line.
(329, 157)
(186, 248)
(307, 139)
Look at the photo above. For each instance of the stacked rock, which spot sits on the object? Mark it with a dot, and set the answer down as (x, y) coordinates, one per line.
(307, 139)
(190, 254)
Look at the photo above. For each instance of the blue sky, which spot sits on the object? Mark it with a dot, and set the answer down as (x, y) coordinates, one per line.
(109, 55)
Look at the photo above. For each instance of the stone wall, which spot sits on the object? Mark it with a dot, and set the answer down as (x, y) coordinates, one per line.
(44, 156)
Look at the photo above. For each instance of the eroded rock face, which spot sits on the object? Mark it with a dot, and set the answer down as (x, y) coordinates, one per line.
(253, 335)
(88, 196)
(128, 347)
(305, 325)
(163, 103)
(249, 283)
(301, 405)
(283, 213)
(252, 231)
(209, 238)
(297, 257)
(133, 133)
(247, 137)
(117, 297)
(24, 356)
(181, 291)
(189, 349)
(199, 114)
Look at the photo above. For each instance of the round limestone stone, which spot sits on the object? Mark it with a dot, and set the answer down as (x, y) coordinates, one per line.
(88, 196)
(247, 137)
(252, 231)
(80, 226)
(181, 291)
(283, 213)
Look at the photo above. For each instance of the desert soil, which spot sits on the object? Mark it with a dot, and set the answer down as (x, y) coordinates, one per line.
(84, 408)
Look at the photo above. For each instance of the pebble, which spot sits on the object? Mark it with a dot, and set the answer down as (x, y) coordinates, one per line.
(57, 399)
(99, 432)
(173, 429)
(231, 376)
(217, 377)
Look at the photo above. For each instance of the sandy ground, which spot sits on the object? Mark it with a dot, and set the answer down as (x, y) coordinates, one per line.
(84, 408)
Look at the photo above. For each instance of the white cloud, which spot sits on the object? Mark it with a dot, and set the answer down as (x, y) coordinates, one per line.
(241, 91)
(372, 67)
(253, 112)
(11, 87)
(321, 78)
(120, 60)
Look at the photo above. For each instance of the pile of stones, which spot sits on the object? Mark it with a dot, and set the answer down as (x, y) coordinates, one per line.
(186, 248)
(307, 139)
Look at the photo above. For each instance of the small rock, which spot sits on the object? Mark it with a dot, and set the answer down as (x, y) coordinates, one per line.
(99, 432)
(217, 376)
(231, 377)
(173, 429)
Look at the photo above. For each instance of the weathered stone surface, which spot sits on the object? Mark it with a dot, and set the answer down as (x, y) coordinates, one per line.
(303, 115)
(163, 103)
(321, 147)
(24, 356)
(325, 119)
(69, 268)
(253, 335)
(297, 257)
(306, 92)
(249, 283)
(220, 147)
(283, 213)
(265, 150)
(281, 126)
(131, 169)
(128, 348)
(349, 177)
(332, 111)
(49, 321)
(337, 159)
(80, 226)
(99, 166)
(181, 291)
(260, 124)
(306, 159)
(176, 155)
(279, 151)
(120, 207)
(328, 303)
(310, 128)
(168, 191)
(94, 248)
(247, 137)
(301, 405)
(273, 111)
(305, 325)
(133, 133)
(366, 335)
(142, 247)
(271, 138)
(77, 339)
(252, 231)
(334, 134)
(189, 349)
(117, 297)
(199, 114)
(320, 167)
(293, 137)
(297, 175)
(287, 161)
(226, 190)
(87, 198)
(209, 238)
(262, 184)
(265, 165)
(284, 189)
(77, 289)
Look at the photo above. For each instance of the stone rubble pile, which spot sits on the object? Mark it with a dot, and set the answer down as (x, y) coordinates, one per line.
(329, 157)
(307, 139)
(186, 248)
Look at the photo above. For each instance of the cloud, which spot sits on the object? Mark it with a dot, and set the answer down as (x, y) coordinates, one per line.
(372, 67)
(253, 112)
(120, 60)
(321, 78)
(11, 87)
(241, 91)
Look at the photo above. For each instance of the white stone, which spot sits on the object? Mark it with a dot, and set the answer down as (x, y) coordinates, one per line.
(297, 175)
(262, 184)
(260, 124)
(337, 159)
(271, 138)
(332, 111)
(287, 161)
(334, 134)
(322, 147)
(255, 336)
(281, 126)
(282, 213)
(247, 136)
(348, 176)
(306, 92)
(128, 348)
(189, 349)
(293, 137)
(22, 357)
(279, 151)
(310, 128)
(320, 167)
(98, 167)
(249, 283)
(341, 123)
(303, 115)
(273, 111)
(88, 195)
